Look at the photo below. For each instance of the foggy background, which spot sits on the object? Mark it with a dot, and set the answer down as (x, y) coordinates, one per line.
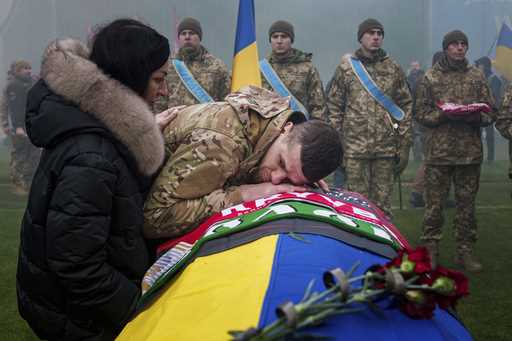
(327, 28)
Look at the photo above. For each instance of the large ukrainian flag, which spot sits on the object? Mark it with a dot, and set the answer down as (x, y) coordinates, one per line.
(245, 61)
(503, 61)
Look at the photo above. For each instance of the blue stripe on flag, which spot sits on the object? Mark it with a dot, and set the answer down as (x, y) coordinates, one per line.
(505, 37)
(297, 262)
(245, 31)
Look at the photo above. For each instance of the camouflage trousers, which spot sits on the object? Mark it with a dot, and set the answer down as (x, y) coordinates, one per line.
(438, 179)
(372, 178)
(24, 161)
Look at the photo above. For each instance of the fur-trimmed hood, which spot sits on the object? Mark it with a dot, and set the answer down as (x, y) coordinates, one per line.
(68, 72)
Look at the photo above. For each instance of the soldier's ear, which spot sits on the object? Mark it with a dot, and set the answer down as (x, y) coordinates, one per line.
(287, 128)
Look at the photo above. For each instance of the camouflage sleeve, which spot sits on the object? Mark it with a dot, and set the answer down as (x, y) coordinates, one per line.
(4, 118)
(316, 102)
(337, 99)
(504, 121)
(191, 185)
(224, 84)
(425, 111)
(404, 100)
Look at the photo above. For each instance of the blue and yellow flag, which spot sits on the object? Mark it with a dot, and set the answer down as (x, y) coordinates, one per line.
(245, 60)
(503, 61)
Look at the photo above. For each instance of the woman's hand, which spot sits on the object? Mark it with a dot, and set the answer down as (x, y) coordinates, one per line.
(166, 116)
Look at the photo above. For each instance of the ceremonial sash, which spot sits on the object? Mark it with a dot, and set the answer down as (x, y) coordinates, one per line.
(190, 82)
(369, 84)
(279, 87)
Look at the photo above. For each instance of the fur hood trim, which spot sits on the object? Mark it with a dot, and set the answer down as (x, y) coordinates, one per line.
(68, 72)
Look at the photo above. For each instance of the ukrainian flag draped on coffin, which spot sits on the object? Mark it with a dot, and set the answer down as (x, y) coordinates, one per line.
(245, 61)
(503, 61)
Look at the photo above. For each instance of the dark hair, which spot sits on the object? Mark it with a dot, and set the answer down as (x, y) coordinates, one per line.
(486, 63)
(321, 151)
(130, 51)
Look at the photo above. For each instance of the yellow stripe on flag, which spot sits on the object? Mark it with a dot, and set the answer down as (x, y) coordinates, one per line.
(246, 68)
(213, 295)
(503, 61)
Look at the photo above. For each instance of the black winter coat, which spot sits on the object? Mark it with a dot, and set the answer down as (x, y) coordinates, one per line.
(82, 253)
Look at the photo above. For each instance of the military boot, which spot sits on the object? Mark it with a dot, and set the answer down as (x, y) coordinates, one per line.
(433, 249)
(467, 261)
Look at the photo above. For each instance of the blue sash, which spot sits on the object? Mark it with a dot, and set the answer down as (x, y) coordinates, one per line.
(372, 88)
(190, 82)
(279, 87)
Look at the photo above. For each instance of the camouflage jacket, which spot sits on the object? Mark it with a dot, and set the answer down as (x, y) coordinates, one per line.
(209, 71)
(4, 116)
(367, 129)
(302, 79)
(504, 121)
(212, 149)
(449, 142)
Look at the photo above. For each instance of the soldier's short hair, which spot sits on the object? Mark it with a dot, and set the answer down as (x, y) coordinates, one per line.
(17, 65)
(130, 51)
(321, 151)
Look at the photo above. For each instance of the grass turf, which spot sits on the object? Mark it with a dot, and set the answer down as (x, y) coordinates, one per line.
(485, 312)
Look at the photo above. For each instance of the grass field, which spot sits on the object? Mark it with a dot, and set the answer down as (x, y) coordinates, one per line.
(485, 312)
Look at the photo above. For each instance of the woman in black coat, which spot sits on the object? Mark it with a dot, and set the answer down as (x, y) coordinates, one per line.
(82, 253)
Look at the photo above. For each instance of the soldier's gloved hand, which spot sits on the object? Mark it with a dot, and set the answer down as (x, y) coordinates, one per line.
(402, 161)
(454, 116)
(265, 189)
(473, 118)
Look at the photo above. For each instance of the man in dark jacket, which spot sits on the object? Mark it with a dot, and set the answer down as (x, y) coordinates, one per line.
(82, 254)
(484, 64)
(24, 156)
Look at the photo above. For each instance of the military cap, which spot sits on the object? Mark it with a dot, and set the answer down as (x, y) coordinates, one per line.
(192, 24)
(282, 26)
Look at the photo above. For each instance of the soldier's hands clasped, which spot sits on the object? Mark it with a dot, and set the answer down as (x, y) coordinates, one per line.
(265, 189)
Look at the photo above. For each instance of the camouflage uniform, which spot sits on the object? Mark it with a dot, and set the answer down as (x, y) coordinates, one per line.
(302, 79)
(209, 71)
(453, 148)
(370, 141)
(212, 149)
(504, 122)
(24, 156)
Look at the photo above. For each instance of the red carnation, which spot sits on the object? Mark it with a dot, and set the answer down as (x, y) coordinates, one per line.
(442, 279)
(421, 257)
(418, 310)
(408, 261)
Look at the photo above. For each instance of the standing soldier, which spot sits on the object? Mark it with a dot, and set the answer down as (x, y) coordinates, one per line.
(24, 156)
(453, 145)
(290, 72)
(370, 105)
(504, 122)
(195, 75)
